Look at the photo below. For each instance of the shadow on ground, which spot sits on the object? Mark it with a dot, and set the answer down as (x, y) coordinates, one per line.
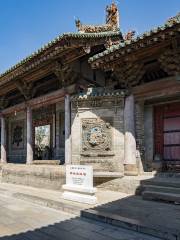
(159, 220)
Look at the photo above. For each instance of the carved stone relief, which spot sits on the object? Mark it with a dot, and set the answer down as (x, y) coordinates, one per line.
(96, 137)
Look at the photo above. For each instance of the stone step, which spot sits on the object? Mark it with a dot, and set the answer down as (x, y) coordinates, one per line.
(161, 196)
(58, 205)
(162, 182)
(164, 189)
(168, 175)
(132, 224)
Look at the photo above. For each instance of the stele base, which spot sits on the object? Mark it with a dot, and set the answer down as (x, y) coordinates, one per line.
(83, 195)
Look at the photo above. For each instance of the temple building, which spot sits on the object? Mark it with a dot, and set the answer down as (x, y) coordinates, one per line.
(95, 97)
(147, 69)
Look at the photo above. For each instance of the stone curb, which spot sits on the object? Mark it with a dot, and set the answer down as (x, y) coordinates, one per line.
(65, 207)
(132, 224)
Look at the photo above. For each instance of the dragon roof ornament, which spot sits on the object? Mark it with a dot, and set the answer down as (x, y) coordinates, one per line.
(112, 22)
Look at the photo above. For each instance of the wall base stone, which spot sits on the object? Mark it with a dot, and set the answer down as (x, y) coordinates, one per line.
(130, 170)
(41, 176)
(127, 184)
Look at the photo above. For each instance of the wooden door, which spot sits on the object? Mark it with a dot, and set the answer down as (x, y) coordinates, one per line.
(167, 134)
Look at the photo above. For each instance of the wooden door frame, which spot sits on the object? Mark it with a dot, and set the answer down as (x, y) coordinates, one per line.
(159, 116)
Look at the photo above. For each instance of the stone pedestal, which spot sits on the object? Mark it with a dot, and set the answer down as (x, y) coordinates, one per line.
(79, 184)
(67, 130)
(130, 165)
(29, 157)
(3, 141)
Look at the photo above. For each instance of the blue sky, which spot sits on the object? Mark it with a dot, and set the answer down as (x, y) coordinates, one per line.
(25, 25)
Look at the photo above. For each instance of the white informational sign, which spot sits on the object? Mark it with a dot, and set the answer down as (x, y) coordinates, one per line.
(79, 175)
(79, 184)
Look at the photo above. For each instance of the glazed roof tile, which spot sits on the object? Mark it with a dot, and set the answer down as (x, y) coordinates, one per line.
(168, 25)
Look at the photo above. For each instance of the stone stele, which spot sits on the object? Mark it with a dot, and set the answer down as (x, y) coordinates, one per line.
(79, 184)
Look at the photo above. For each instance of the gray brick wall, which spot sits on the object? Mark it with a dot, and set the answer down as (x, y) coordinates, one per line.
(112, 163)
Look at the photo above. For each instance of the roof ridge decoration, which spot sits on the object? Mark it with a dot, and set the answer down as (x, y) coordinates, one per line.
(173, 20)
(112, 22)
(169, 24)
(111, 30)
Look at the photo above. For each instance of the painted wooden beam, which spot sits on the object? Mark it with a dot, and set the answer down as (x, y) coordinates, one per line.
(44, 100)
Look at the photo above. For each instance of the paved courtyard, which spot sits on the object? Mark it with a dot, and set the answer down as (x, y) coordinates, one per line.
(23, 220)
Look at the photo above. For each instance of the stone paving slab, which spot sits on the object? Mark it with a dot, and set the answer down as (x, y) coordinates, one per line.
(110, 203)
(21, 220)
(53, 199)
(155, 218)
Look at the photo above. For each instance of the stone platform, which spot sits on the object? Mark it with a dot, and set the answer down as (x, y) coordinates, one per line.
(53, 177)
(41, 176)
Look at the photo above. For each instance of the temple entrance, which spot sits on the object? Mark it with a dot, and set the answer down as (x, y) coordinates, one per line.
(167, 135)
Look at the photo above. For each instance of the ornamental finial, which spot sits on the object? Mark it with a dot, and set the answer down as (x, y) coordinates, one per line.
(112, 22)
(112, 15)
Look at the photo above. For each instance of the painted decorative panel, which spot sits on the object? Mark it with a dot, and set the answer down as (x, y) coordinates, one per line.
(61, 129)
(17, 135)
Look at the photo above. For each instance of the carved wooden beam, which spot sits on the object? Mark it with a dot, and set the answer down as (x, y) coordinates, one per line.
(25, 88)
(170, 61)
(3, 102)
(64, 73)
(129, 74)
(45, 100)
(67, 75)
(58, 71)
(154, 90)
(87, 80)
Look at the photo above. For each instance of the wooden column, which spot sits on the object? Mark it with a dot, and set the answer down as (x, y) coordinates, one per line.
(3, 140)
(67, 130)
(29, 157)
(130, 166)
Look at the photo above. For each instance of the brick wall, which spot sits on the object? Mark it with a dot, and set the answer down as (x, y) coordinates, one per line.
(108, 109)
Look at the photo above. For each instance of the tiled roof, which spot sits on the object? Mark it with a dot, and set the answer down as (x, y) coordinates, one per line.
(168, 25)
(66, 36)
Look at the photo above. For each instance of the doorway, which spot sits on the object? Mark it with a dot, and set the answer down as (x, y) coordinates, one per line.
(43, 142)
(167, 135)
